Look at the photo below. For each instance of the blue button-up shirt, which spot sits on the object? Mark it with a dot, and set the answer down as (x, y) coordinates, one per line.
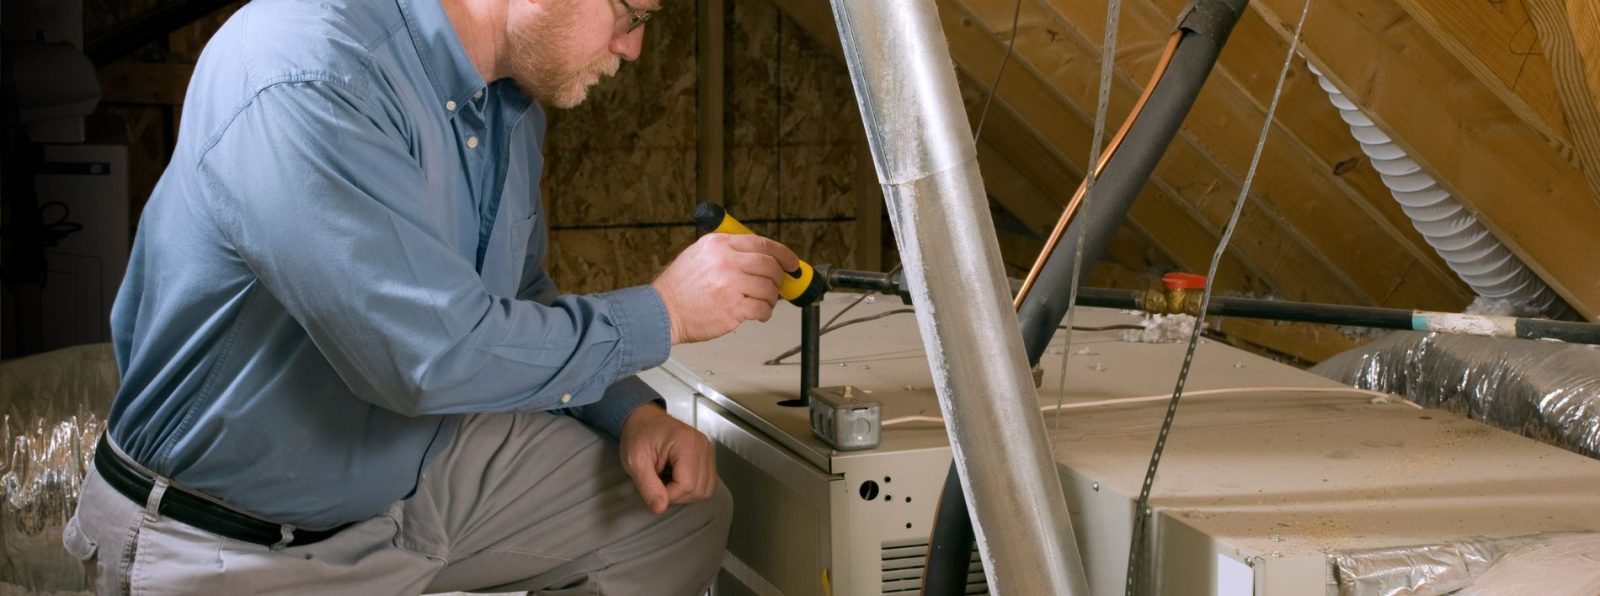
(342, 259)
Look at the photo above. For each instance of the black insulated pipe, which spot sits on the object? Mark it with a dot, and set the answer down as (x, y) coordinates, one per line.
(810, 353)
(950, 546)
(1358, 316)
(1205, 25)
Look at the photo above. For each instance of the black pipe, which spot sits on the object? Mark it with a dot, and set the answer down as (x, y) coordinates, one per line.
(1358, 316)
(1276, 310)
(1361, 316)
(1252, 308)
(1567, 331)
(951, 543)
(1205, 25)
(810, 353)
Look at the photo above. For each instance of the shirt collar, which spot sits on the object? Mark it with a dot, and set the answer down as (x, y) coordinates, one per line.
(455, 79)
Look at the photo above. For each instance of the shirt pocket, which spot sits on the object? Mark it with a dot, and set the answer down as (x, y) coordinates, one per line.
(503, 265)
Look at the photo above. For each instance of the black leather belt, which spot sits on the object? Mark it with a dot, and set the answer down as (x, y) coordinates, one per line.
(198, 511)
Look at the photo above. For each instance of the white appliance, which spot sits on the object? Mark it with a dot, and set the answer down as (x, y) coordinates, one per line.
(1269, 471)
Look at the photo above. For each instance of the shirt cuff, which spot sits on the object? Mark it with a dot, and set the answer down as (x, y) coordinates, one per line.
(619, 402)
(641, 319)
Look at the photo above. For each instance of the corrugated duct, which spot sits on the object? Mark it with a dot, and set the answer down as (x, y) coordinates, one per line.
(1470, 250)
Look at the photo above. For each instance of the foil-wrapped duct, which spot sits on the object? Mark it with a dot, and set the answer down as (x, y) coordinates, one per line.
(52, 410)
(1480, 566)
(1548, 391)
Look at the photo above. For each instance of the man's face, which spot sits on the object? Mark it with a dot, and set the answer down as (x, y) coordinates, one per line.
(557, 52)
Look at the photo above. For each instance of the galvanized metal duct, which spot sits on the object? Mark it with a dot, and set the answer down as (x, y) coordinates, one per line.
(926, 160)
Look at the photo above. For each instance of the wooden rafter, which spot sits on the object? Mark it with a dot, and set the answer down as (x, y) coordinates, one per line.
(1295, 184)
(1291, 269)
(710, 99)
(1188, 173)
(1498, 43)
(1309, 119)
(1521, 187)
(1568, 31)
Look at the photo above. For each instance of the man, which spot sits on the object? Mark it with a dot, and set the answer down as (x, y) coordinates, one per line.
(344, 367)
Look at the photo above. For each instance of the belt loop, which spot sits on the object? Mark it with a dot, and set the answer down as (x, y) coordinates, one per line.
(152, 504)
(286, 533)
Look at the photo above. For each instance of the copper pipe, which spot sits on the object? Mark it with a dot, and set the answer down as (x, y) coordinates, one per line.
(1111, 150)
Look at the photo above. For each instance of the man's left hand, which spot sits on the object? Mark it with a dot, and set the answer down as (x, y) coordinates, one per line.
(671, 463)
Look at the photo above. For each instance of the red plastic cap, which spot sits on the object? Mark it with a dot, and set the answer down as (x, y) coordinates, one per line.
(1183, 281)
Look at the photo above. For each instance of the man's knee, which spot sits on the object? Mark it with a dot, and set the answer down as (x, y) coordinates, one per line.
(705, 525)
(713, 515)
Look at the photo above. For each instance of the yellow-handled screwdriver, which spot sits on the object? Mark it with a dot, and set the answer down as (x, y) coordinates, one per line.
(800, 287)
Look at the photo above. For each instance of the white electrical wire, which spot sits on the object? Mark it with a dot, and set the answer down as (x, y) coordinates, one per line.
(1376, 395)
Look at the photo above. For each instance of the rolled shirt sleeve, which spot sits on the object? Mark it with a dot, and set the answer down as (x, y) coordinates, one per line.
(340, 227)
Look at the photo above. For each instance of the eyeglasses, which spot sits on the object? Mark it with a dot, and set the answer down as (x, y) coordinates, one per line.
(636, 18)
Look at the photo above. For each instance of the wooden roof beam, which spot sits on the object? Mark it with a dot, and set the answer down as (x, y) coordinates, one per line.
(1569, 31)
(1498, 43)
(1308, 118)
(1268, 257)
(1205, 163)
(1521, 187)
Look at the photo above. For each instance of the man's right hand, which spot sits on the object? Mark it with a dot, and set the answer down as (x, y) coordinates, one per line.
(720, 281)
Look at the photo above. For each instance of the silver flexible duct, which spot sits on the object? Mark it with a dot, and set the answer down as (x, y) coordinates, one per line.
(1480, 565)
(926, 160)
(52, 409)
(1545, 390)
(1476, 256)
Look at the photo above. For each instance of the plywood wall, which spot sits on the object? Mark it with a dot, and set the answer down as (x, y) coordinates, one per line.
(620, 178)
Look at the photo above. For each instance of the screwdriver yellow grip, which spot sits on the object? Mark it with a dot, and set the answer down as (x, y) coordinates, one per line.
(801, 286)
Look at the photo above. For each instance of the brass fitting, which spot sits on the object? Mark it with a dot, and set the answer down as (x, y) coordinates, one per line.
(1181, 293)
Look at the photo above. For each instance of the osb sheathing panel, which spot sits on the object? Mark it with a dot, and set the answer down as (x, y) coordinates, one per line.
(597, 260)
(627, 154)
(620, 187)
(620, 169)
(794, 124)
(819, 242)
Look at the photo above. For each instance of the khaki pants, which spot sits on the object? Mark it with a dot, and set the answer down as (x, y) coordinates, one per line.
(517, 502)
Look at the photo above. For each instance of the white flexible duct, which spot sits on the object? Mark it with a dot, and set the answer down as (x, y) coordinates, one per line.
(1470, 249)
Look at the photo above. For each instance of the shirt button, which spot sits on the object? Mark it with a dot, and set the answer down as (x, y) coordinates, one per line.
(472, 142)
(566, 397)
(450, 105)
(478, 95)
